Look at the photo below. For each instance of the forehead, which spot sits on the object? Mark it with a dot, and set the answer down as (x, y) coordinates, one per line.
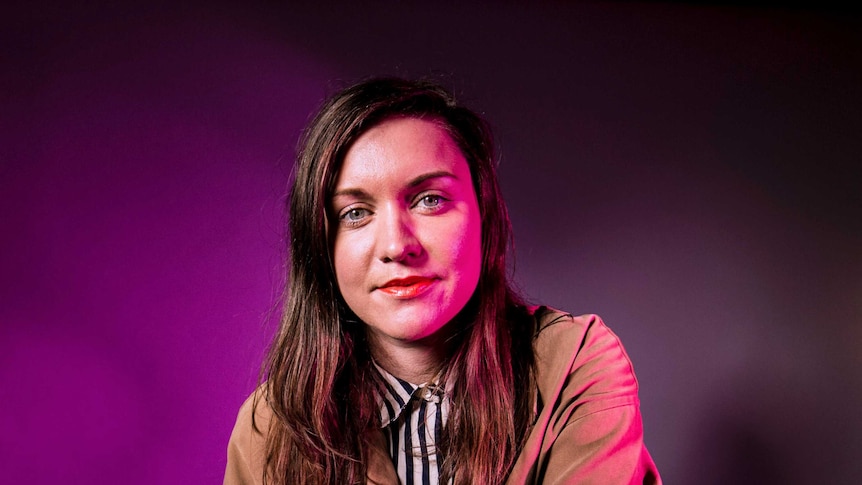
(402, 147)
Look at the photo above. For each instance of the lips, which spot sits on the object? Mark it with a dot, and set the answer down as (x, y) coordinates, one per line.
(405, 288)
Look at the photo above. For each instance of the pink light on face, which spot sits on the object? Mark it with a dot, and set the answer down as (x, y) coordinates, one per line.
(408, 237)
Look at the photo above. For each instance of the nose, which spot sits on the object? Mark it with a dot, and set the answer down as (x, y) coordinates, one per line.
(396, 236)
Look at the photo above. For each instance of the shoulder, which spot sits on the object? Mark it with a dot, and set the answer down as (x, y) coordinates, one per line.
(254, 414)
(246, 448)
(587, 426)
(581, 356)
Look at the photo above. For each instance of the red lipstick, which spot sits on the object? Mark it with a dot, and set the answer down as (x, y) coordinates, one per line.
(405, 288)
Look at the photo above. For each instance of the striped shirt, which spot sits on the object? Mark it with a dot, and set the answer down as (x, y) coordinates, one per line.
(412, 417)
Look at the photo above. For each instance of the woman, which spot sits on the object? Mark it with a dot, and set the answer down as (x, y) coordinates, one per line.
(403, 354)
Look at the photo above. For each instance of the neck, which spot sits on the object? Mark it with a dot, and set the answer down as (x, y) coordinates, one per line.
(414, 362)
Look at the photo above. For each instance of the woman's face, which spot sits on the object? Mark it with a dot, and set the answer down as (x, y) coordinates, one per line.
(407, 230)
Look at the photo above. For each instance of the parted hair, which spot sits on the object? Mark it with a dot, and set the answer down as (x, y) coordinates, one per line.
(319, 379)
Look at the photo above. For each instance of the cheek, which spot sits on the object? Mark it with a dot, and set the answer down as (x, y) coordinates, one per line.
(346, 261)
(467, 251)
(470, 248)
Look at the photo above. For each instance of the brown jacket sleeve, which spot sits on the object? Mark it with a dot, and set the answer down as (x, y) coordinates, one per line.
(245, 450)
(588, 428)
(245, 460)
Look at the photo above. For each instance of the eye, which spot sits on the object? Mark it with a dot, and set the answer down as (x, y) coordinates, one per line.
(430, 203)
(431, 200)
(354, 216)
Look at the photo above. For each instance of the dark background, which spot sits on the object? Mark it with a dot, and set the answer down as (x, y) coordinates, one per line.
(689, 172)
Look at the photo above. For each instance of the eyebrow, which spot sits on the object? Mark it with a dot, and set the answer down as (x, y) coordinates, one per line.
(431, 175)
(413, 183)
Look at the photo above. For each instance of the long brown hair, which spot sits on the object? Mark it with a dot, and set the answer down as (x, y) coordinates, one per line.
(319, 380)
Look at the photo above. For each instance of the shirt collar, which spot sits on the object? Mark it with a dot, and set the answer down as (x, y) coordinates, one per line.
(397, 394)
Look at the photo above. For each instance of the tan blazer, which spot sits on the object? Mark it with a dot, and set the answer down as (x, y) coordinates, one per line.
(588, 429)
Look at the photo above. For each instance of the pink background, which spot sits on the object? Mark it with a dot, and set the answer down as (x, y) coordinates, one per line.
(690, 173)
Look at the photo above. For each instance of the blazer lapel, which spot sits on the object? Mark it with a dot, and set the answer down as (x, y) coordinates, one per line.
(380, 468)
